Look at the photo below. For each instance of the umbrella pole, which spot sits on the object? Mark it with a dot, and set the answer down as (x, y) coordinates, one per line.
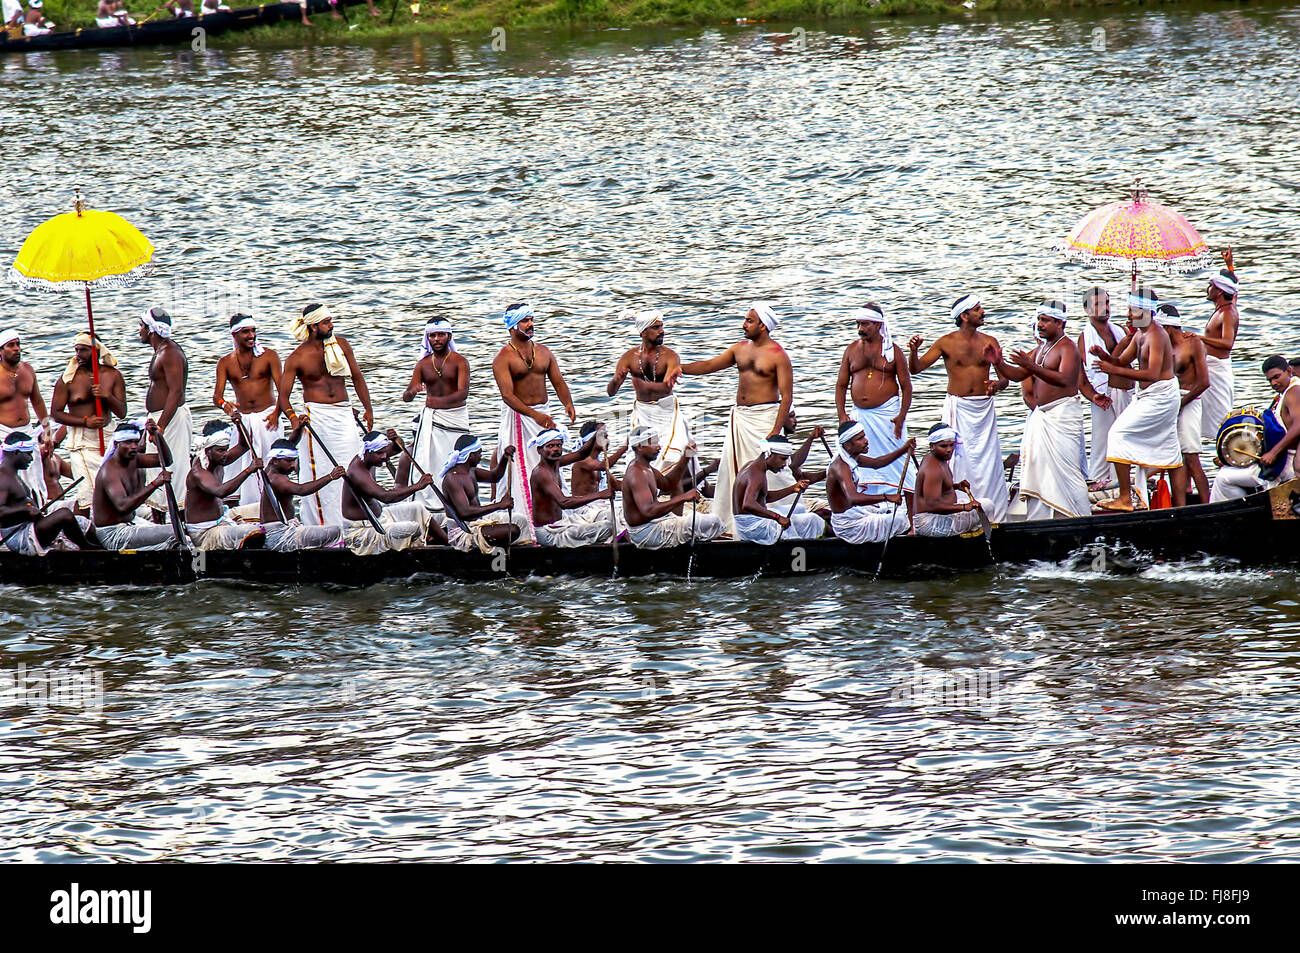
(94, 365)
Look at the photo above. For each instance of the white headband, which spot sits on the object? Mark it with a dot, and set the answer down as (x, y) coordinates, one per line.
(25, 446)
(886, 338)
(282, 453)
(1168, 320)
(1224, 283)
(777, 444)
(247, 323)
(127, 433)
(437, 326)
(161, 328)
(642, 435)
(218, 438)
(1057, 313)
(457, 457)
(857, 430)
(377, 444)
(7, 335)
(964, 305)
(1141, 303)
(545, 437)
(513, 317)
(765, 314)
(943, 435)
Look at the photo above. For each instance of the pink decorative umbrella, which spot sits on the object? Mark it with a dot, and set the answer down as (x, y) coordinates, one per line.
(1137, 232)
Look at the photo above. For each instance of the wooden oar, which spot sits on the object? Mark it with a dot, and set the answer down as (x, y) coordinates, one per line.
(173, 509)
(433, 486)
(266, 487)
(984, 521)
(365, 508)
(789, 514)
(613, 516)
(14, 532)
(885, 548)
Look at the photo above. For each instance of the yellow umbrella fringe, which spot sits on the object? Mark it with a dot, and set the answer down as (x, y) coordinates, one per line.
(103, 283)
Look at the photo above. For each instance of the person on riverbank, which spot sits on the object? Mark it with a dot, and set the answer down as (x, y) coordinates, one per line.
(281, 466)
(253, 372)
(561, 518)
(653, 368)
(18, 452)
(522, 369)
(764, 394)
(1193, 380)
(73, 405)
(324, 363)
(1107, 394)
(168, 376)
(857, 514)
(206, 521)
(497, 523)
(874, 388)
(120, 488)
(404, 523)
(443, 374)
(1220, 337)
(654, 523)
(968, 407)
(20, 399)
(938, 513)
(754, 521)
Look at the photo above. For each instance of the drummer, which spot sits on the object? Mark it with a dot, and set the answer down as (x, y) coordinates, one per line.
(1281, 437)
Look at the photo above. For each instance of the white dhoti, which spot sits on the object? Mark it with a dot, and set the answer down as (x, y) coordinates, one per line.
(250, 491)
(665, 415)
(82, 445)
(223, 533)
(179, 435)
(1049, 461)
(457, 538)
(760, 529)
(293, 536)
(1100, 470)
(136, 536)
(1216, 402)
(516, 430)
(878, 422)
(34, 476)
(1146, 434)
(335, 425)
(1189, 425)
(22, 541)
(436, 436)
(747, 428)
(978, 457)
(403, 523)
(673, 530)
(580, 527)
(946, 524)
(872, 523)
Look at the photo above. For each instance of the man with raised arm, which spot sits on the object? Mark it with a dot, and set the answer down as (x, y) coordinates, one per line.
(653, 367)
(323, 363)
(968, 407)
(652, 522)
(281, 468)
(1107, 394)
(1220, 337)
(938, 512)
(19, 452)
(442, 373)
(1145, 435)
(1051, 477)
(521, 370)
(403, 523)
(875, 389)
(755, 522)
(560, 518)
(73, 405)
(1193, 380)
(18, 392)
(857, 515)
(764, 393)
(253, 372)
(165, 400)
(493, 525)
(120, 488)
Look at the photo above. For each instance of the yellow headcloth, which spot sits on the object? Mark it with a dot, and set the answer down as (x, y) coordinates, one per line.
(105, 356)
(300, 327)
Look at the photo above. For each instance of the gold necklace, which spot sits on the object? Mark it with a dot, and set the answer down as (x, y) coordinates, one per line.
(435, 364)
(528, 361)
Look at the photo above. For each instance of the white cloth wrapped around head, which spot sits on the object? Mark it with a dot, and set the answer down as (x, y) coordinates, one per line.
(1047, 310)
(515, 314)
(282, 453)
(128, 432)
(765, 314)
(642, 435)
(158, 321)
(375, 443)
(944, 435)
(644, 318)
(545, 437)
(437, 325)
(1168, 316)
(459, 456)
(873, 312)
(964, 305)
(218, 438)
(25, 444)
(105, 355)
(245, 322)
(1225, 282)
(8, 335)
(336, 362)
(778, 444)
(1142, 303)
(848, 433)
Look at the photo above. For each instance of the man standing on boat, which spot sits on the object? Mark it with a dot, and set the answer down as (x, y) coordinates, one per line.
(1107, 394)
(120, 488)
(1220, 336)
(521, 370)
(653, 368)
(253, 371)
(874, 374)
(764, 393)
(18, 392)
(165, 399)
(1193, 380)
(858, 515)
(1145, 435)
(968, 407)
(73, 405)
(443, 374)
(1051, 479)
(938, 513)
(324, 363)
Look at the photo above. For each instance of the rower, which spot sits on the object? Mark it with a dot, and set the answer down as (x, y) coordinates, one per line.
(73, 406)
(253, 372)
(521, 370)
(1193, 381)
(34, 22)
(1107, 394)
(111, 13)
(764, 393)
(938, 513)
(210, 7)
(18, 506)
(493, 525)
(403, 523)
(651, 522)
(120, 488)
(754, 521)
(208, 523)
(559, 518)
(281, 467)
(1051, 476)
(18, 392)
(589, 463)
(858, 515)
(968, 407)
(1220, 337)
(181, 9)
(874, 376)
(323, 363)
(168, 375)
(442, 373)
(54, 468)
(1146, 433)
(654, 369)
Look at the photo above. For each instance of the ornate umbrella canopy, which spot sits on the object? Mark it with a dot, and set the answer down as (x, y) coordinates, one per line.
(1137, 233)
(95, 249)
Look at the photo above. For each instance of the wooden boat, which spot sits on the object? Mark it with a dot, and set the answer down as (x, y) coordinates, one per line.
(907, 556)
(169, 30)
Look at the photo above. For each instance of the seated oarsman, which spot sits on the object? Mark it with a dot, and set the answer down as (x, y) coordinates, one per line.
(1281, 437)
(858, 516)
(587, 464)
(652, 523)
(111, 13)
(754, 521)
(403, 523)
(34, 22)
(181, 9)
(55, 469)
(491, 525)
(206, 519)
(938, 512)
(1193, 375)
(120, 488)
(559, 518)
(18, 506)
(281, 468)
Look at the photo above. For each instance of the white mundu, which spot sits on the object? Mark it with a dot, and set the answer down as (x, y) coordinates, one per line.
(760, 529)
(580, 527)
(1049, 458)
(673, 530)
(978, 457)
(747, 429)
(337, 430)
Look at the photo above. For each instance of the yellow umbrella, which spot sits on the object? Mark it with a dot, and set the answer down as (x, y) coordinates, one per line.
(93, 249)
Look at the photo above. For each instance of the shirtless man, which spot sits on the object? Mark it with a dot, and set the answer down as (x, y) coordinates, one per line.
(87, 409)
(938, 513)
(590, 464)
(34, 22)
(652, 366)
(497, 523)
(23, 529)
(254, 372)
(1193, 381)
(764, 393)
(653, 523)
(1051, 476)
(1220, 336)
(560, 518)
(754, 521)
(1146, 433)
(206, 521)
(442, 374)
(858, 516)
(521, 370)
(403, 523)
(875, 376)
(165, 399)
(968, 406)
(281, 468)
(1108, 394)
(323, 363)
(111, 13)
(120, 488)
(55, 469)
(18, 392)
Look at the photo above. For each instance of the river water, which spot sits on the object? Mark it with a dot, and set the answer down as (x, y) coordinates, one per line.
(1022, 714)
